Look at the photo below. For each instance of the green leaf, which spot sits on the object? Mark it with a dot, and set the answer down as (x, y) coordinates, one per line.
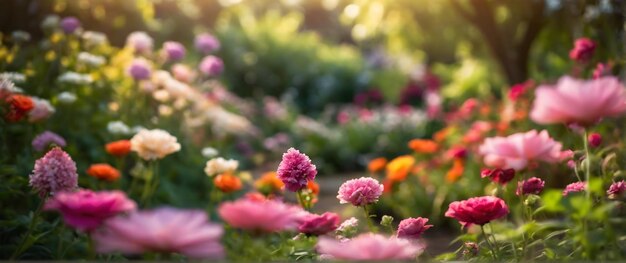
(446, 256)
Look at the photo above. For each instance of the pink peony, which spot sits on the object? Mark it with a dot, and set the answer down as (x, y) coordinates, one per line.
(574, 187)
(369, 246)
(360, 192)
(296, 170)
(582, 102)
(533, 185)
(319, 224)
(497, 175)
(412, 228)
(583, 50)
(477, 210)
(260, 215)
(616, 189)
(54, 172)
(163, 230)
(86, 210)
(518, 150)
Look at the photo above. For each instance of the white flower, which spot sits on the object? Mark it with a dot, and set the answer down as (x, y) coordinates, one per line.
(7, 86)
(13, 77)
(165, 110)
(140, 41)
(154, 144)
(118, 127)
(220, 165)
(91, 59)
(209, 152)
(66, 97)
(42, 110)
(75, 78)
(20, 36)
(93, 38)
(51, 22)
(136, 129)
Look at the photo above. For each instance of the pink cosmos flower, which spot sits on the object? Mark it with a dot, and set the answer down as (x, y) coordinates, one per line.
(583, 50)
(412, 228)
(85, 210)
(477, 210)
(296, 170)
(582, 102)
(500, 176)
(369, 246)
(261, 215)
(533, 185)
(518, 150)
(54, 172)
(616, 189)
(163, 230)
(319, 224)
(574, 187)
(360, 192)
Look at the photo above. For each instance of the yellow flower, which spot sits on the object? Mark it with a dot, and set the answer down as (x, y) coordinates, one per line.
(400, 167)
(377, 165)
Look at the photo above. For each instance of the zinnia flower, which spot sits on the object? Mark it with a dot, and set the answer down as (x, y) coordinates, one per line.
(360, 192)
(54, 172)
(497, 175)
(518, 150)
(42, 141)
(140, 41)
(477, 210)
(266, 216)
(377, 165)
(400, 167)
(154, 144)
(583, 102)
(70, 24)
(227, 182)
(19, 106)
(211, 66)
(220, 165)
(103, 171)
(373, 247)
(86, 210)
(118, 148)
(139, 69)
(616, 189)
(412, 228)
(533, 185)
(423, 146)
(206, 43)
(583, 50)
(163, 230)
(174, 51)
(319, 224)
(574, 188)
(296, 170)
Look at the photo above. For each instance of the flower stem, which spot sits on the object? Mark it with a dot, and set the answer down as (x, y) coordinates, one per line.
(91, 249)
(301, 200)
(368, 219)
(587, 163)
(491, 247)
(31, 227)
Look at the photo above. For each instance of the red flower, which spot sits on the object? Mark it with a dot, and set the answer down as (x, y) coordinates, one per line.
(19, 106)
(118, 148)
(583, 50)
(500, 176)
(477, 210)
(595, 139)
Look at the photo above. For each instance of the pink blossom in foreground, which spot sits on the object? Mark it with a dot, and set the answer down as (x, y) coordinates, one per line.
(533, 185)
(616, 189)
(574, 187)
(582, 102)
(296, 170)
(412, 228)
(54, 172)
(85, 210)
(517, 151)
(163, 230)
(319, 224)
(369, 247)
(360, 192)
(477, 210)
(259, 215)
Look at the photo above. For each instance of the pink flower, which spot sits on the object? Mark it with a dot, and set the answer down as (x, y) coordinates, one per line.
(616, 189)
(457, 152)
(477, 210)
(574, 187)
(54, 172)
(319, 224)
(139, 69)
(533, 185)
(259, 215)
(163, 230)
(173, 51)
(583, 102)
(369, 246)
(518, 90)
(360, 192)
(211, 66)
(140, 41)
(86, 210)
(602, 69)
(518, 150)
(595, 139)
(182, 73)
(412, 228)
(583, 50)
(206, 43)
(296, 170)
(500, 176)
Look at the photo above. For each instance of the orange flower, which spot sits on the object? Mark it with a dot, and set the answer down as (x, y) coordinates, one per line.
(118, 148)
(442, 134)
(455, 173)
(269, 183)
(399, 168)
(377, 165)
(423, 146)
(227, 182)
(19, 105)
(103, 171)
(314, 187)
(387, 186)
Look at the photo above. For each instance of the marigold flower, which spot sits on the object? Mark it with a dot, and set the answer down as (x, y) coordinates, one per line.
(388, 186)
(442, 134)
(19, 106)
(477, 210)
(104, 172)
(360, 192)
(118, 148)
(377, 165)
(314, 187)
(269, 183)
(400, 167)
(455, 173)
(54, 172)
(371, 247)
(423, 146)
(296, 170)
(227, 182)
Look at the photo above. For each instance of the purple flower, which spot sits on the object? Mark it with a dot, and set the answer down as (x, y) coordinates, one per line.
(319, 224)
(173, 51)
(70, 24)
(574, 187)
(206, 43)
(54, 172)
(360, 192)
(47, 138)
(616, 189)
(412, 228)
(139, 69)
(140, 41)
(533, 185)
(296, 170)
(211, 66)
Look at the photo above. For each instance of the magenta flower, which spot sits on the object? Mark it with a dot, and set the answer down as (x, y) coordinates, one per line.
(602, 70)
(518, 150)
(616, 189)
(174, 51)
(317, 225)
(582, 102)
(373, 247)
(265, 216)
(206, 43)
(163, 230)
(42, 141)
(86, 210)
(412, 228)
(54, 172)
(211, 66)
(594, 139)
(139, 69)
(574, 188)
(296, 170)
(533, 185)
(583, 50)
(477, 210)
(360, 192)
(497, 175)
(70, 24)
(517, 91)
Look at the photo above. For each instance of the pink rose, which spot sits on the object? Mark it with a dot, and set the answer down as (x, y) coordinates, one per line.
(517, 151)
(319, 224)
(477, 210)
(412, 228)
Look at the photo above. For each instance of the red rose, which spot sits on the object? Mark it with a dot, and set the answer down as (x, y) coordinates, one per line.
(477, 210)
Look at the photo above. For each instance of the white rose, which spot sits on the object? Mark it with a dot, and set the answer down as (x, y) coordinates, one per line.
(220, 165)
(154, 144)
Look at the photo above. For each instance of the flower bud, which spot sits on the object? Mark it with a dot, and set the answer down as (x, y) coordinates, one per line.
(386, 220)
(595, 139)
